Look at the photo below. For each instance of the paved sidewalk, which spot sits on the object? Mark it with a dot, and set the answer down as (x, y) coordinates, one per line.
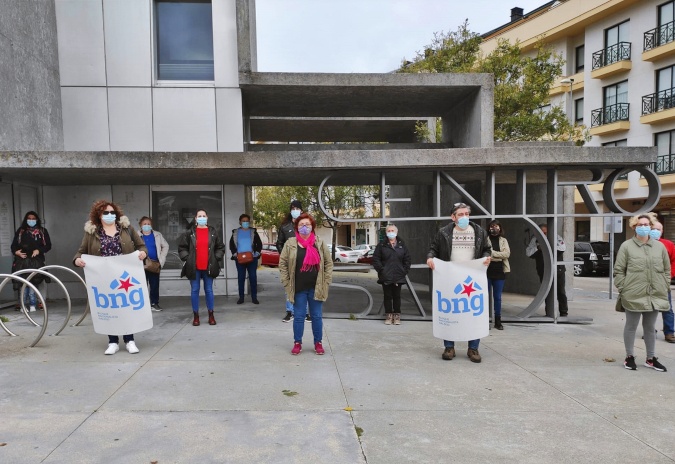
(232, 393)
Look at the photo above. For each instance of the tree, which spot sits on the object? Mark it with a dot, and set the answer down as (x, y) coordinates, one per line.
(271, 204)
(521, 95)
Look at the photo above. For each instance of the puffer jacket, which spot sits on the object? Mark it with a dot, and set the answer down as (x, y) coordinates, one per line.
(287, 262)
(187, 252)
(391, 263)
(441, 245)
(642, 275)
(129, 239)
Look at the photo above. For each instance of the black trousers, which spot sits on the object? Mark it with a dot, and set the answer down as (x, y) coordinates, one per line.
(392, 298)
(562, 296)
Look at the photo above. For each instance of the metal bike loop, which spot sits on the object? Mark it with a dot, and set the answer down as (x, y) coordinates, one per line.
(7, 278)
(58, 281)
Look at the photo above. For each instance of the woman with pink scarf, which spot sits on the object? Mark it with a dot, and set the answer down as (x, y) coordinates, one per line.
(306, 273)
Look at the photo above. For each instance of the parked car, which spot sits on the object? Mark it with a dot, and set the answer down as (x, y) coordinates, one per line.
(270, 255)
(591, 257)
(344, 254)
(364, 248)
(367, 257)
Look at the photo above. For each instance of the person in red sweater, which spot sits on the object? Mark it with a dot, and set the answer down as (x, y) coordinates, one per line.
(668, 317)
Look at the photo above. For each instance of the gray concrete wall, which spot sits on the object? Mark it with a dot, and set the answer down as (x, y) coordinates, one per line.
(30, 100)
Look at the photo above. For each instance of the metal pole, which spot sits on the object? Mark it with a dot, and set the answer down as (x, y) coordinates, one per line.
(611, 257)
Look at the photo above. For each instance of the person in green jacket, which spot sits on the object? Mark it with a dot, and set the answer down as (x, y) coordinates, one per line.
(642, 275)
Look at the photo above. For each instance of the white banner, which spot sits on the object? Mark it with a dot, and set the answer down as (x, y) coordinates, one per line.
(460, 300)
(118, 294)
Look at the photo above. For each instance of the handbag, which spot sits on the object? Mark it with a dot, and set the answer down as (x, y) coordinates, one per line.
(152, 266)
(244, 257)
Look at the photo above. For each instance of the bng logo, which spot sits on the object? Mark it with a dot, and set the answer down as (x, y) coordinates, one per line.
(123, 294)
(464, 302)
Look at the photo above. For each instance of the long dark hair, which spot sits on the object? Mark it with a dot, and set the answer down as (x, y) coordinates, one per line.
(38, 223)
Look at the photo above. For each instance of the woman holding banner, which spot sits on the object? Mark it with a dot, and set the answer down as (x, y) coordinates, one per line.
(306, 271)
(642, 275)
(109, 233)
(498, 269)
(391, 260)
(201, 248)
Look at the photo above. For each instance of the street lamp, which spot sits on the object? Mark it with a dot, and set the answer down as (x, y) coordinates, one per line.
(570, 81)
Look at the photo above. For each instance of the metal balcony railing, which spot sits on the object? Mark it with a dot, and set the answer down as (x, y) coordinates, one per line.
(659, 36)
(658, 101)
(665, 164)
(610, 114)
(610, 55)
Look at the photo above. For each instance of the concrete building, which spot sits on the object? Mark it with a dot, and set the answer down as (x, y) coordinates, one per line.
(110, 102)
(618, 81)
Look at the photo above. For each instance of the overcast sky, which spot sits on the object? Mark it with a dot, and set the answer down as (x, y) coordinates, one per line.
(364, 35)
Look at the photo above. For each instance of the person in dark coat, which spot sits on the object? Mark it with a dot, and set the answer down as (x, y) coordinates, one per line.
(31, 242)
(391, 260)
(201, 249)
(286, 231)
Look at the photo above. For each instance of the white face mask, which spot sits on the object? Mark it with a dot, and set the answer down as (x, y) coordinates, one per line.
(295, 213)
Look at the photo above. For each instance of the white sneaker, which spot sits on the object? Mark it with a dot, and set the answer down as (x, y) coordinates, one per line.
(112, 348)
(131, 347)
(32, 309)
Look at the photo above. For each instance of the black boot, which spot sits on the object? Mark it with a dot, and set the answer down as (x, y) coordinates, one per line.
(498, 323)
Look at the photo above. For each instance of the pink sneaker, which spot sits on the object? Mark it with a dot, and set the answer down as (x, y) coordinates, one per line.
(318, 347)
(297, 348)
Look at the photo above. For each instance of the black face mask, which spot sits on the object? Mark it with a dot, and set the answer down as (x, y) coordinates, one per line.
(494, 231)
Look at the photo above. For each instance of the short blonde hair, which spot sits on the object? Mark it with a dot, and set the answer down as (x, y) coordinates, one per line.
(632, 222)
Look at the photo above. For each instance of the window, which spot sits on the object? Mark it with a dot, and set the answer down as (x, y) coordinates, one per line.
(615, 94)
(665, 159)
(616, 34)
(616, 143)
(579, 58)
(174, 208)
(666, 18)
(579, 111)
(184, 40)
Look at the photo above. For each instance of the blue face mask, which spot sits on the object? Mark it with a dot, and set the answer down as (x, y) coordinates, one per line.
(31, 222)
(391, 235)
(655, 234)
(642, 231)
(245, 225)
(305, 230)
(463, 222)
(295, 213)
(202, 221)
(146, 228)
(109, 218)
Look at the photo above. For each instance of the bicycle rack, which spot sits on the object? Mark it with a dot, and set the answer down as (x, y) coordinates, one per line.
(58, 281)
(7, 278)
(86, 309)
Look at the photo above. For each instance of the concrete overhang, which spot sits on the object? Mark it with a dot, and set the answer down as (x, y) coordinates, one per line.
(303, 167)
(393, 130)
(612, 69)
(303, 95)
(658, 117)
(659, 53)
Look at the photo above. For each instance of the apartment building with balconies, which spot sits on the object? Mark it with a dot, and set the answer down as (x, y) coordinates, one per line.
(618, 81)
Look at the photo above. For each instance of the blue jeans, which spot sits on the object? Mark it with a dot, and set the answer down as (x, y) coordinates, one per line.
(303, 299)
(208, 290)
(496, 286)
(252, 268)
(289, 305)
(116, 338)
(668, 318)
(153, 283)
(473, 344)
(29, 297)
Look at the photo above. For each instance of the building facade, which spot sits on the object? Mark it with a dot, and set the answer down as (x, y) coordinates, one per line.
(618, 81)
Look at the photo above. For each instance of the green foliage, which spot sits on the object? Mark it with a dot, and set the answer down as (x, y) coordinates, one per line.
(522, 83)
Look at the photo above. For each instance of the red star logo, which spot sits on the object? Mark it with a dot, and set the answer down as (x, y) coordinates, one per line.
(125, 284)
(468, 289)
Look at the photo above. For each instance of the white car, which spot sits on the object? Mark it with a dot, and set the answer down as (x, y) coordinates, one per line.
(363, 249)
(344, 254)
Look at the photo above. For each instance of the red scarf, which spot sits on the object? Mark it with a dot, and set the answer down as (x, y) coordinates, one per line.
(312, 258)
